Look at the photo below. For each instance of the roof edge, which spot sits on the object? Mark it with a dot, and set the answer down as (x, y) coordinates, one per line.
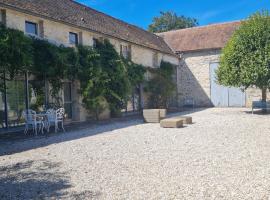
(89, 29)
(198, 27)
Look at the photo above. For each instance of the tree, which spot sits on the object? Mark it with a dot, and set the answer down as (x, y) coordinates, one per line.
(245, 60)
(171, 21)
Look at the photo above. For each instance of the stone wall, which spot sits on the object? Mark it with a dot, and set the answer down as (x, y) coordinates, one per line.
(194, 77)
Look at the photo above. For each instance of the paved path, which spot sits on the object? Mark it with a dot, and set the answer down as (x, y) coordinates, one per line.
(225, 154)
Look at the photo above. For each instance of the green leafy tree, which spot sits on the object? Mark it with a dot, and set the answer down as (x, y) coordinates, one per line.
(161, 87)
(245, 60)
(171, 21)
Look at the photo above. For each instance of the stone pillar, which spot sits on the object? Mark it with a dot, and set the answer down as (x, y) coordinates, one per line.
(41, 28)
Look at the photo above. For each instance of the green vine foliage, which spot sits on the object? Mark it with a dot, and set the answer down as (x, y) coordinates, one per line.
(15, 52)
(106, 79)
(245, 60)
(161, 86)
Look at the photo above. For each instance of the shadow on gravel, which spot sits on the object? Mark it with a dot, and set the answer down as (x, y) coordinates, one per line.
(37, 180)
(18, 142)
(258, 112)
(10, 144)
(186, 112)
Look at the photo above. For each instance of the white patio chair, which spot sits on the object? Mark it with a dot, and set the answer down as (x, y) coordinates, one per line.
(31, 120)
(55, 117)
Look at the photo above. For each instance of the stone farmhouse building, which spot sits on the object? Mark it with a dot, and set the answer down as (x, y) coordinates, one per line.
(195, 52)
(69, 23)
(199, 50)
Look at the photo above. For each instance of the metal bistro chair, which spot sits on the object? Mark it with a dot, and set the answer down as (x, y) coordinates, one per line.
(31, 119)
(54, 117)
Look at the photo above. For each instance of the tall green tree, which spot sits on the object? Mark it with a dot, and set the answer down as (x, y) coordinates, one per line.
(245, 60)
(171, 21)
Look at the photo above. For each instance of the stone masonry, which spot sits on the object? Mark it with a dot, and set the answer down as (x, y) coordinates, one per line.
(194, 77)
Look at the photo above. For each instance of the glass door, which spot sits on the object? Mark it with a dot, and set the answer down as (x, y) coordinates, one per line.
(68, 99)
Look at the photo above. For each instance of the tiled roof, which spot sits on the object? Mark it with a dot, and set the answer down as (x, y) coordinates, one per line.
(199, 38)
(73, 13)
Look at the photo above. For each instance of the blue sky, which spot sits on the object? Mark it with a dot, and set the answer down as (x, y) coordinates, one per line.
(141, 12)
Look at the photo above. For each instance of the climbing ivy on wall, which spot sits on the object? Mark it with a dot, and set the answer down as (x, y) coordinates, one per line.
(106, 79)
(161, 86)
(16, 52)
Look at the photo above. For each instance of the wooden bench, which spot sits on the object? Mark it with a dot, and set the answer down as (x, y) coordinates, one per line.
(260, 105)
(186, 119)
(172, 123)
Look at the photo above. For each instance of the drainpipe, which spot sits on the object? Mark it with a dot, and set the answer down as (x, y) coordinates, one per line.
(26, 90)
(180, 54)
(5, 100)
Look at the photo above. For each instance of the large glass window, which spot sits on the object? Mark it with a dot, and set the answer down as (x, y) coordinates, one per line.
(15, 101)
(31, 28)
(73, 38)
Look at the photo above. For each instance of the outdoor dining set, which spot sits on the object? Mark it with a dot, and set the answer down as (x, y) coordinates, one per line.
(40, 121)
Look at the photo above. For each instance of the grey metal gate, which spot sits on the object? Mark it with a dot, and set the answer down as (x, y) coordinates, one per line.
(222, 96)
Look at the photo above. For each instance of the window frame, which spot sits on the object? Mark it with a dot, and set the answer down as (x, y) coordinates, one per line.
(155, 60)
(31, 23)
(125, 51)
(95, 41)
(76, 42)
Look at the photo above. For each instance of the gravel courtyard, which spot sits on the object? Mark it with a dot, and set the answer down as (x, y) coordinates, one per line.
(225, 154)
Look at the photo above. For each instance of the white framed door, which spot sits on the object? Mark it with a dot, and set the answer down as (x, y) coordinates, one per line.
(222, 96)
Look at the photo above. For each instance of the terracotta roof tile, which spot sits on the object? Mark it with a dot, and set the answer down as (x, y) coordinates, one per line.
(213, 36)
(73, 13)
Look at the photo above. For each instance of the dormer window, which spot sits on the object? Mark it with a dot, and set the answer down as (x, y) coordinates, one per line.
(31, 28)
(73, 38)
